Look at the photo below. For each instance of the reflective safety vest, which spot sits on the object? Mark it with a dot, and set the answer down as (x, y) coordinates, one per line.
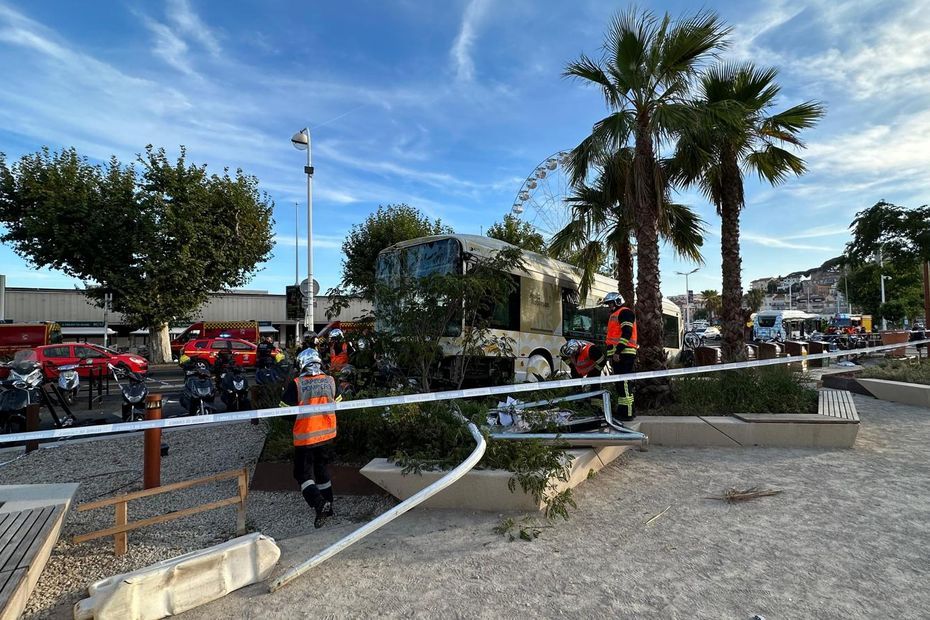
(614, 331)
(338, 360)
(583, 362)
(315, 428)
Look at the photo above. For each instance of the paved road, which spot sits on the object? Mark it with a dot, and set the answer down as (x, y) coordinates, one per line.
(848, 538)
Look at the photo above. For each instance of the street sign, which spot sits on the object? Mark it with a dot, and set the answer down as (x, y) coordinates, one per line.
(294, 302)
(303, 288)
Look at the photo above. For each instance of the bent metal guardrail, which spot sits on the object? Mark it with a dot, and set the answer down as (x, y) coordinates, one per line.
(388, 401)
(424, 494)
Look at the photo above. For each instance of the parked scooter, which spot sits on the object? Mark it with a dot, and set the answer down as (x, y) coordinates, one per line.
(134, 391)
(24, 387)
(271, 369)
(199, 392)
(69, 382)
(234, 389)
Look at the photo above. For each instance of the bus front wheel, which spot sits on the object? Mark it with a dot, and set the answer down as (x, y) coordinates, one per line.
(538, 368)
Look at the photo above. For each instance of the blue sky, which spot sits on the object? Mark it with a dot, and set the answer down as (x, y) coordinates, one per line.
(448, 106)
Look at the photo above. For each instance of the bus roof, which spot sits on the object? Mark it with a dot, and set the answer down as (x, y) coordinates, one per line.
(789, 314)
(534, 263)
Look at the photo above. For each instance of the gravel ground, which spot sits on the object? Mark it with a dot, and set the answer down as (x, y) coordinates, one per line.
(107, 467)
(847, 539)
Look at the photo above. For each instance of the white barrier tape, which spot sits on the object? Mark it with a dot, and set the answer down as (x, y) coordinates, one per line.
(406, 399)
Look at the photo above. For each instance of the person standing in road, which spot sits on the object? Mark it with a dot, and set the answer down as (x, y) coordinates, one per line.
(621, 349)
(313, 432)
(264, 352)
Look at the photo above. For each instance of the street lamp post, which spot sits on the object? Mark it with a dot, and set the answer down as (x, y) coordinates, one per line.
(301, 142)
(687, 297)
(882, 277)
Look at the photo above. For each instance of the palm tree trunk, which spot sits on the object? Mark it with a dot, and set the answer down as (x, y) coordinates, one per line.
(624, 253)
(648, 296)
(733, 348)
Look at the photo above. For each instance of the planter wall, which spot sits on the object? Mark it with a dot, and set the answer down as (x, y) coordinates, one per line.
(730, 432)
(279, 477)
(485, 489)
(898, 392)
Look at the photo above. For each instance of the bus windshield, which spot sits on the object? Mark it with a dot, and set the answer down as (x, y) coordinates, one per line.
(766, 321)
(418, 261)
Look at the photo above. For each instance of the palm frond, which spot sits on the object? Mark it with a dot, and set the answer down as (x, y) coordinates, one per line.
(688, 43)
(684, 229)
(774, 164)
(589, 70)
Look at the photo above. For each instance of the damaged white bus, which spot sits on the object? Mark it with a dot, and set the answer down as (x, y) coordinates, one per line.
(543, 311)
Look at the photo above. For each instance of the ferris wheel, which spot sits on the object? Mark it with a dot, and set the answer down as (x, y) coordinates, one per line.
(542, 199)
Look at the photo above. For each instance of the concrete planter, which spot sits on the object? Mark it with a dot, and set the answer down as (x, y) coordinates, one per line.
(898, 392)
(784, 431)
(485, 489)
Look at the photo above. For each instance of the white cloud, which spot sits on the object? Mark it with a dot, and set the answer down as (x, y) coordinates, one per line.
(170, 47)
(781, 243)
(461, 51)
(188, 22)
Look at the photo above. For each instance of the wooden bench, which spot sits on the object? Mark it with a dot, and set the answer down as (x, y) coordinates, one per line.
(25, 544)
(837, 404)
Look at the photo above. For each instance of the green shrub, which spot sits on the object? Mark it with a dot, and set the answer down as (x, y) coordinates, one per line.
(917, 371)
(756, 390)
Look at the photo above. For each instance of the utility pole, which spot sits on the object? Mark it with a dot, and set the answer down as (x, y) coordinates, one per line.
(687, 297)
(881, 275)
(926, 296)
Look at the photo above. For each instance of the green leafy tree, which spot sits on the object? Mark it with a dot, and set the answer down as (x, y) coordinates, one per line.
(901, 237)
(904, 285)
(753, 299)
(740, 133)
(416, 312)
(518, 232)
(712, 302)
(603, 222)
(388, 225)
(158, 235)
(644, 74)
(894, 310)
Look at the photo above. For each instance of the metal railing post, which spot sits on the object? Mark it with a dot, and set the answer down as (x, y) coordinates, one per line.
(151, 469)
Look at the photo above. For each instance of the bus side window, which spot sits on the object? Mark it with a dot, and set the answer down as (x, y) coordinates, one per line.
(507, 316)
(671, 331)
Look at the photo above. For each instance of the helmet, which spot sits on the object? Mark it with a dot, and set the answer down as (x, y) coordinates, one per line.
(336, 334)
(309, 360)
(347, 372)
(570, 348)
(612, 298)
(279, 357)
(183, 359)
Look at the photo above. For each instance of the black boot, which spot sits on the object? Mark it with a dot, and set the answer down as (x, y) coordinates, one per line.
(324, 510)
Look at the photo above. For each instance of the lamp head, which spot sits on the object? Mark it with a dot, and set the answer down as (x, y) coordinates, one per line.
(301, 139)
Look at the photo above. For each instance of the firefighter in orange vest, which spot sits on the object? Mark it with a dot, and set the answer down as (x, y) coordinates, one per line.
(339, 351)
(584, 358)
(312, 433)
(621, 349)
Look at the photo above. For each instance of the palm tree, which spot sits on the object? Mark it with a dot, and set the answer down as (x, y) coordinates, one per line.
(602, 227)
(711, 302)
(644, 74)
(715, 153)
(753, 299)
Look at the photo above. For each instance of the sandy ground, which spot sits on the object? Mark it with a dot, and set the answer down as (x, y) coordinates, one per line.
(848, 538)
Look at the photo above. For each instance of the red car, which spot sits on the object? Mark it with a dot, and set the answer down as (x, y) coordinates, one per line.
(87, 356)
(206, 349)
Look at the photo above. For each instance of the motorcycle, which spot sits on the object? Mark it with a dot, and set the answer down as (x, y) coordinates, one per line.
(199, 392)
(24, 387)
(271, 370)
(134, 391)
(234, 389)
(69, 382)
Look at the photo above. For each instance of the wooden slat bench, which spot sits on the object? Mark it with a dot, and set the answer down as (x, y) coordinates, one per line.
(837, 404)
(24, 547)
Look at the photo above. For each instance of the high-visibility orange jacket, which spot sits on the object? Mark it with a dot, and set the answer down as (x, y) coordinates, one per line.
(315, 428)
(583, 361)
(338, 360)
(621, 329)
